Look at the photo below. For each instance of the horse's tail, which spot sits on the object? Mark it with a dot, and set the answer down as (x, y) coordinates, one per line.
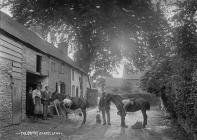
(147, 106)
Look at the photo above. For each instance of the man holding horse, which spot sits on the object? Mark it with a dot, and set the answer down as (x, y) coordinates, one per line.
(104, 108)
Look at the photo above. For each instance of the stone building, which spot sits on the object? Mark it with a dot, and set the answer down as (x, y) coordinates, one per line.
(26, 59)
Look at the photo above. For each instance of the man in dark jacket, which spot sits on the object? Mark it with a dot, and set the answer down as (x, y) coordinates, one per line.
(45, 102)
(104, 108)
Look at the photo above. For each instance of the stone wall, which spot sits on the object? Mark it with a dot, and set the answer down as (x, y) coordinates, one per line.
(5, 92)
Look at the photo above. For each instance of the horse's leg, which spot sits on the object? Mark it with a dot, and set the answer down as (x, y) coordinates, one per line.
(66, 115)
(123, 119)
(145, 117)
(84, 115)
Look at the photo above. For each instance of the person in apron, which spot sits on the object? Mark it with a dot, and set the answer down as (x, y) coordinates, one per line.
(36, 95)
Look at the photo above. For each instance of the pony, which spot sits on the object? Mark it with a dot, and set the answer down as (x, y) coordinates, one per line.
(139, 104)
(77, 103)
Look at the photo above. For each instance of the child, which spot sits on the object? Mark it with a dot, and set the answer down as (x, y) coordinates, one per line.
(98, 117)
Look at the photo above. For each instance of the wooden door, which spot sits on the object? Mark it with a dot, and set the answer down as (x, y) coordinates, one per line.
(17, 101)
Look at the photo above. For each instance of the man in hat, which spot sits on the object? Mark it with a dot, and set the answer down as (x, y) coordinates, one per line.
(45, 102)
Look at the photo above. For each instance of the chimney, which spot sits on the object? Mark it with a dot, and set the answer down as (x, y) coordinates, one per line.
(63, 46)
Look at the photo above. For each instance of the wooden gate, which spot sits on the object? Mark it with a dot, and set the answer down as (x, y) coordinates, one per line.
(16, 101)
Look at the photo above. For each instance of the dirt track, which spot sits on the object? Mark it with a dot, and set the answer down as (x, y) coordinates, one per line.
(60, 129)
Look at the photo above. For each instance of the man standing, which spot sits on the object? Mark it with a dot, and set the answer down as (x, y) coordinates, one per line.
(45, 102)
(104, 108)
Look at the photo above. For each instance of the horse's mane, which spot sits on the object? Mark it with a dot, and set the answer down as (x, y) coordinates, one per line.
(116, 99)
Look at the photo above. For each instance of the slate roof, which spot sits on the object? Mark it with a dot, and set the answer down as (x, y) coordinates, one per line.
(17, 30)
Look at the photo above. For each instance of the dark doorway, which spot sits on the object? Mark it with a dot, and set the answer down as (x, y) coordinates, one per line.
(31, 82)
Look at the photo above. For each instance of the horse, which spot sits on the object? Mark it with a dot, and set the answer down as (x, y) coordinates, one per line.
(77, 103)
(139, 104)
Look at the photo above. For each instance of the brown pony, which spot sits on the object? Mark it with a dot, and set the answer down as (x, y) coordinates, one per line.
(139, 104)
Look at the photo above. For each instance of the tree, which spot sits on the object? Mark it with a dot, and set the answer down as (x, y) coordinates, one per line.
(175, 77)
(101, 31)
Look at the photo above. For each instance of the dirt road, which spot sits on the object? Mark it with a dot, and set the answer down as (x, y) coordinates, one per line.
(61, 129)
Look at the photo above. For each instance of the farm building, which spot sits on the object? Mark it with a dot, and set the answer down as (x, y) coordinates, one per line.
(26, 59)
(129, 83)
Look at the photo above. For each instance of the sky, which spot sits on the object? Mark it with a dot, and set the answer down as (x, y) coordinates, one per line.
(117, 74)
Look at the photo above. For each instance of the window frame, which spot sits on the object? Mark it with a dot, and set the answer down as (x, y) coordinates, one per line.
(38, 63)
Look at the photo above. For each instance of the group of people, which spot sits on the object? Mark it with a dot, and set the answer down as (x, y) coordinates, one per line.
(105, 107)
(37, 102)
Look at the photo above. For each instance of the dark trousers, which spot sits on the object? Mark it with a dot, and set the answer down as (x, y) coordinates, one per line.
(45, 110)
(108, 116)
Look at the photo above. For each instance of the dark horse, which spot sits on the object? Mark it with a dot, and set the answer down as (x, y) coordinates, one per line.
(77, 103)
(139, 104)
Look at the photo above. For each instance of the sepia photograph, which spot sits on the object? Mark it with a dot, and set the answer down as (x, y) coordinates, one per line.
(98, 69)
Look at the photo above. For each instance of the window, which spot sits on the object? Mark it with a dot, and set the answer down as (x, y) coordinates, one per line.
(56, 67)
(137, 84)
(52, 66)
(77, 91)
(61, 69)
(73, 75)
(73, 90)
(62, 88)
(38, 63)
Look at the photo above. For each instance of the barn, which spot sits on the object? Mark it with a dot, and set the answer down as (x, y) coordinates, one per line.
(26, 59)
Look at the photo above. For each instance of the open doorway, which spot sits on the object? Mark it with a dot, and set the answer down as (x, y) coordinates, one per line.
(31, 81)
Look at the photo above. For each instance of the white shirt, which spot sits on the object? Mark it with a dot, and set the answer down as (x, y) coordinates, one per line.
(67, 101)
(126, 101)
(36, 93)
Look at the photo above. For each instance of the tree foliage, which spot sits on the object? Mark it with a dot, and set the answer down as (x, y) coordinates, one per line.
(174, 79)
(101, 31)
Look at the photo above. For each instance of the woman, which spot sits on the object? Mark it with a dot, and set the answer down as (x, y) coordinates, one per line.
(38, 108)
